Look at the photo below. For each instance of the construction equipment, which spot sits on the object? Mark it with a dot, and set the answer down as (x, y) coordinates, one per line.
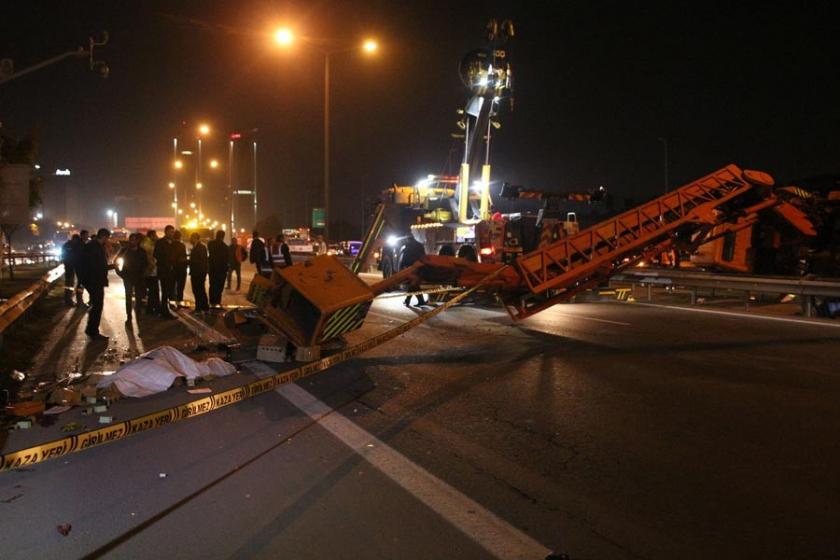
(800, 237)
(316, 301)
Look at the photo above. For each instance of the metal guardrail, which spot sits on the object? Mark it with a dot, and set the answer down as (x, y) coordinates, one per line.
(15, 307)
(806, 289)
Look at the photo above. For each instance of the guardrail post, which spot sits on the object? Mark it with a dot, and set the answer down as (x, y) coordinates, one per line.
(650, 292)
(693, 296)
(746, 300)
(807, 306)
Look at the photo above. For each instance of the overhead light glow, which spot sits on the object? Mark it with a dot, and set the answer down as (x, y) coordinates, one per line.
(284, 37)
(370, 46)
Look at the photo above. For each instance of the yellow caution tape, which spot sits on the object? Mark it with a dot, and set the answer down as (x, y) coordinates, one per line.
(121, 430)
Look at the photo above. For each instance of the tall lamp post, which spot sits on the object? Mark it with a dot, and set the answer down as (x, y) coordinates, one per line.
(285, 37)
(203, 130)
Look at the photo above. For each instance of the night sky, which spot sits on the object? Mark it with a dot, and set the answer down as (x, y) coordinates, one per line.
(597, 83)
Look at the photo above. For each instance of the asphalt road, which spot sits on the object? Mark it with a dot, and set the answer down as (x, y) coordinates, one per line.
(598, 430)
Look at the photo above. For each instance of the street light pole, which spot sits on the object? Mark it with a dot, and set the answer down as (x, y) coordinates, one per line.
(285, 37)
(255, 183)
(198, 175)
(326, 146)
(175, 181)
(231, 189)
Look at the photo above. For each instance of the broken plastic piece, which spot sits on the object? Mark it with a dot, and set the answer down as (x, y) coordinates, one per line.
(71, 427)
(25, 408)
(64, 529)
(57, 409)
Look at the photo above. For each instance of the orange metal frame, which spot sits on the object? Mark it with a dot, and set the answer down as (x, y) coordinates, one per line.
(556, 272)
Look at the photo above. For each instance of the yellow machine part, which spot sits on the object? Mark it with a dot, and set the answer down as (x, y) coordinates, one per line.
(313, 301)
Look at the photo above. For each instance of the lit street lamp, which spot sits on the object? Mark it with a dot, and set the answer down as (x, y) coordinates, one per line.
(284, 37)
(112, 214)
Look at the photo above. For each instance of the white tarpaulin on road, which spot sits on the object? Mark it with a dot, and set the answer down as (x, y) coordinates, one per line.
(156, 370)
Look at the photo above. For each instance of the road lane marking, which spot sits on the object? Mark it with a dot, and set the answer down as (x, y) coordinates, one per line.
(489, 531)
(574, 316)
(744, 315)
(393, 318)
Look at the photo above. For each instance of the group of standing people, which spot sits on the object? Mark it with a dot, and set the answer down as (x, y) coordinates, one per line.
(264, 256)
(153, 269)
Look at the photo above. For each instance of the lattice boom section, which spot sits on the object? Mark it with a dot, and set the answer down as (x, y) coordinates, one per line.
(595, 249)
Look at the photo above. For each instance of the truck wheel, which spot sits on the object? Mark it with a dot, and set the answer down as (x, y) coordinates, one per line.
(447, 251)
(467, 252)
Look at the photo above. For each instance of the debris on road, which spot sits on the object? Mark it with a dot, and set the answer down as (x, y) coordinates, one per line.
(64, 529)
(65, 396)
(106, 419)
(25, 408)
(72, 427)
(57, 409)
(200, 390)
(272, 348)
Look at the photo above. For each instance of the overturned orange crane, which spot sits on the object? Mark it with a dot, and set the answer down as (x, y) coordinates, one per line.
(319, 300)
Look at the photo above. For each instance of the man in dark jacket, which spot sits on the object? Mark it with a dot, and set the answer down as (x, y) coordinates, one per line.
(218, 262)
(71, 252)
(165, 259)
(131, 267)
(412, 252)
(257, 255)
(94, 275)
(180, 254)
(236, 254)
(152, 286)
(80, 289)
(198, 273)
